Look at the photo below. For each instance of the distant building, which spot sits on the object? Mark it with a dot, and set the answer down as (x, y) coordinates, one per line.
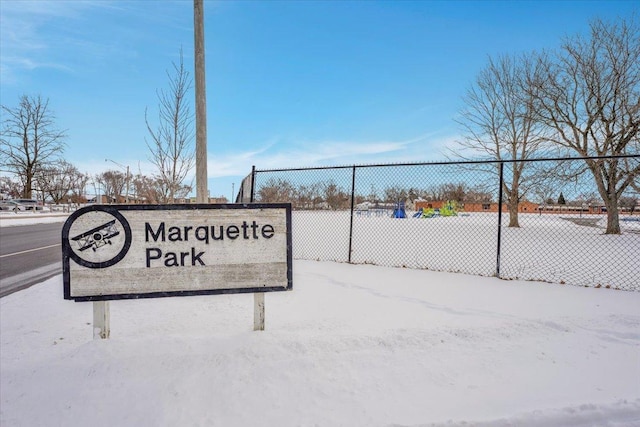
(523, 207)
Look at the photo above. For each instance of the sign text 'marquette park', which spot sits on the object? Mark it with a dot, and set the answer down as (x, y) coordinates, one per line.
(206, 234)
(139, 251)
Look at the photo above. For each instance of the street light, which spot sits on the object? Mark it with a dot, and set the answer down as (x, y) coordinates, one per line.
(126, 178)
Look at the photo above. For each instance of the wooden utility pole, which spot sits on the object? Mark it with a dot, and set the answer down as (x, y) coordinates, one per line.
(202, 194)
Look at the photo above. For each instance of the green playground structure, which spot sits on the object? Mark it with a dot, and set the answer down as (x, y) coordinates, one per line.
(448, 209)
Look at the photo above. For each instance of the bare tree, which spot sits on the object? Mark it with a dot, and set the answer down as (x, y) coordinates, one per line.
(113, 183)
(433, 192)
(335, 197)
(276, 190)
(171, 144)
(498, 120)
(457, 192)
(395, 194)
(628, 203)
(9, 188)
(145, 189)
(60, 181)
(478, 194)
(589, 94)
(155, 190)
(29, 139)
(79, 183)
(166, 192)
(308, 196)
(544, 194)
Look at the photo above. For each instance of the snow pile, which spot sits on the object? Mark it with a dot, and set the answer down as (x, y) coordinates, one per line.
(351, 345)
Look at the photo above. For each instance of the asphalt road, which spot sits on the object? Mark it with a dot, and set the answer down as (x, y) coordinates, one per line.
(29, 254)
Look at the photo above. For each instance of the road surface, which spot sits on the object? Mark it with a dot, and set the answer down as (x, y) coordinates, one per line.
(29, 254)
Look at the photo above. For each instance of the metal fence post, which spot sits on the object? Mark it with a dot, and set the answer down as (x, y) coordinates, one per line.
(353, 195)
(253, 183)
(501, 177)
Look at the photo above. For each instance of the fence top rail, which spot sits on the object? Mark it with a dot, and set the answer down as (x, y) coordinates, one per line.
(460, 162)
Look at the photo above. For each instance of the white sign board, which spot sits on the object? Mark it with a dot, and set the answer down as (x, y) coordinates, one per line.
(146, 251)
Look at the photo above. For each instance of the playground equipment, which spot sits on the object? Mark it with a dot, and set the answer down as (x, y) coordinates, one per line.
(398, 211)
(450, 208)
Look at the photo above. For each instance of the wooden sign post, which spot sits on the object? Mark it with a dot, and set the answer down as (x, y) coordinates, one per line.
(101, 320)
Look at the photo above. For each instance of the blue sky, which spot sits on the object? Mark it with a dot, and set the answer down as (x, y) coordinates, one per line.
(289, 84)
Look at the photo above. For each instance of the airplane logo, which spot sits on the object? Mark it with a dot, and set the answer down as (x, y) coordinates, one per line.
(97, 237)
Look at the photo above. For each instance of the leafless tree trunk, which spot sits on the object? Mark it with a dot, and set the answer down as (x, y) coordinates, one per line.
(498, 120)
(171, 144)
(29, 140)
(589, 94)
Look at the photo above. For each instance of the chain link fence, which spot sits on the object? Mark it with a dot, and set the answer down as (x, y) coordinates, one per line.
(549, 223)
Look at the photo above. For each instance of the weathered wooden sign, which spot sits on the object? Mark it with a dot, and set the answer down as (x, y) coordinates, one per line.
(146, 251)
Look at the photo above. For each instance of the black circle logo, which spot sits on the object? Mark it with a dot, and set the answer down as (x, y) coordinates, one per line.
(97, 236)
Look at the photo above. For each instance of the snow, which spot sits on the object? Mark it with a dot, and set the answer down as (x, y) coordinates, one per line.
(545, 248)
(351, 345)
(8, 219)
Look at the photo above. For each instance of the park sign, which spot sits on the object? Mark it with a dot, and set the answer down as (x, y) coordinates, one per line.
(145, 251)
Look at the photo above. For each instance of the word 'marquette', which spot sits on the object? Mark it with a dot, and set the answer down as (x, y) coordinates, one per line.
(206, 233)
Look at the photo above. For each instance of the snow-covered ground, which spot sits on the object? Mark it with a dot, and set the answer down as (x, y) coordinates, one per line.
(545, 248)
(8, 219)
(351, 345)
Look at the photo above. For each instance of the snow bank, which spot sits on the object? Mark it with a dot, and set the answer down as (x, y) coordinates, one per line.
(351, 345)
(8, 219)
